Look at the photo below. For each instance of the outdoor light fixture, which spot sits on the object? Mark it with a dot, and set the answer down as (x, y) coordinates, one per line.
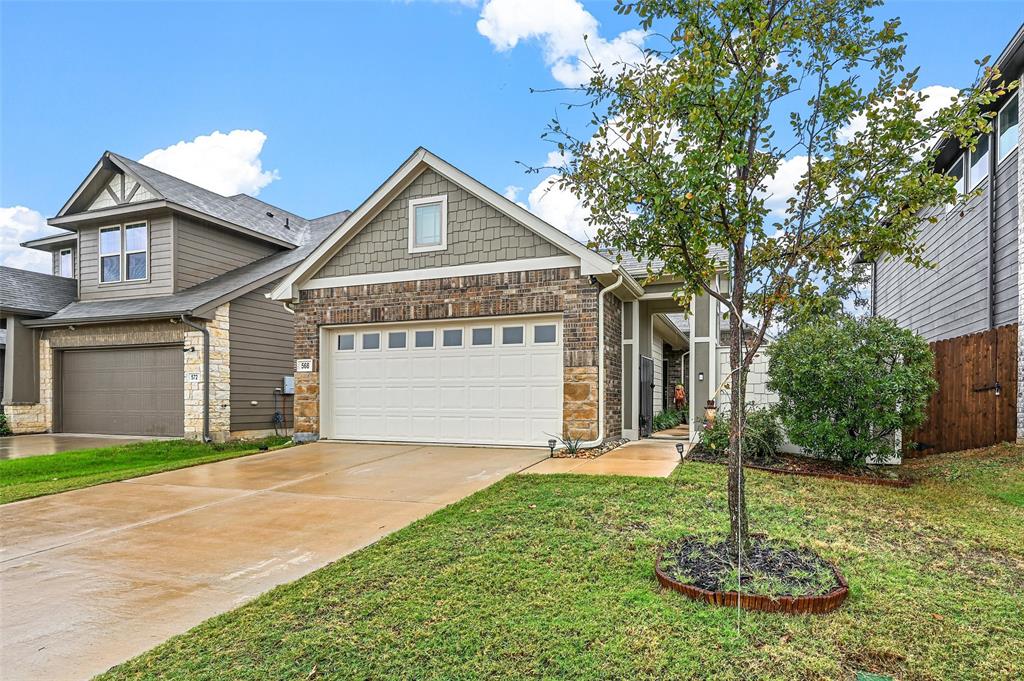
(681, 448)
(551, 446)
(700, 375)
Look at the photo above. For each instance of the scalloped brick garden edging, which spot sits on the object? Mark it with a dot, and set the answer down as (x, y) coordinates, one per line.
(790, 605)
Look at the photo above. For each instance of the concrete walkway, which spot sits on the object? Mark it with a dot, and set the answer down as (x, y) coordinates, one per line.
(93, 577)
(646, 458)
(20, 446)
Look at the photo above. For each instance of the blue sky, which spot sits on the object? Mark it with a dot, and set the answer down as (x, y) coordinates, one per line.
(342, 92)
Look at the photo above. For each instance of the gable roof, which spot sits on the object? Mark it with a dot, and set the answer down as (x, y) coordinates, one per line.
(239, 212)
(590, 262)
(202, 299)
(33, 294)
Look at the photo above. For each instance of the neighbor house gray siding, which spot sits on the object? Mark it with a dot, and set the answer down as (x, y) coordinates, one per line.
(1006, 241)
(477, 233)
(161, 275)
(204, 251)
(952, 299)
(261, 339)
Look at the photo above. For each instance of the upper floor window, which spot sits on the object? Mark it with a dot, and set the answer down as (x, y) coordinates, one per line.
(124, 253)
(428, 224)
(67, 264)
(957, 170)
(1007, 127)
(979, 161)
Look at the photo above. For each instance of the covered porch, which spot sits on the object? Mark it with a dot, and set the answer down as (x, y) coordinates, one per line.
(664, 344)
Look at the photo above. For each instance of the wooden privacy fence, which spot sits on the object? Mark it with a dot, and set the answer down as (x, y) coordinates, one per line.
(976, 403)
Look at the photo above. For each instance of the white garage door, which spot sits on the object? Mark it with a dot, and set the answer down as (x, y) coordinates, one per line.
(477, 381)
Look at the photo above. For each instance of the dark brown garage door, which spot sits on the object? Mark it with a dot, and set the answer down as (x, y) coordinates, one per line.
(123, 391)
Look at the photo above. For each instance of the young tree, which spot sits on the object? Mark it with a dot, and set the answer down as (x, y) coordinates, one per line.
(741, 92)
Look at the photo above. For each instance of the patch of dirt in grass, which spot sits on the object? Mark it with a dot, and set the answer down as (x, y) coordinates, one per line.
(768, 569)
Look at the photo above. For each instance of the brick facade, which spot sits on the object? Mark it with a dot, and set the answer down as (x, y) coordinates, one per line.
(562, 291)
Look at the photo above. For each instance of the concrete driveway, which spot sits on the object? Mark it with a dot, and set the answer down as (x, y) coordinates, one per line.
(20, 446)
(93, 577)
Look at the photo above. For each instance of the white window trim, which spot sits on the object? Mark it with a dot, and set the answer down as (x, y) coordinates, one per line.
(443, 246)
(971, 183)
(122, 255)
(533, 334)
(1000, 156)
(405, 340)
(961, 188)
(338, 347)
(523, 327)
(60, 262)
(125, 252)
(433, 340)
(481, 345)
(380, 341)
(100, 254)
(462, 338)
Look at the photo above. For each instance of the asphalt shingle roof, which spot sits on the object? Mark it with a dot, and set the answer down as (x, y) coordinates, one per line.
(34, 293)
(241, 209)
(200, 295)
(638, 268)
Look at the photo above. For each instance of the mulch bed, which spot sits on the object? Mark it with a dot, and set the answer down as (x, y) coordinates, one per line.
(592, 453)
(791, 464)
(774, 578)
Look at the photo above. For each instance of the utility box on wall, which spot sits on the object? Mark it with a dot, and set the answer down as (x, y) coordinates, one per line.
(288, 387)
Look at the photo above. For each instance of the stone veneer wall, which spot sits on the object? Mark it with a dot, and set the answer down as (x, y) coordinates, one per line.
(220, 378)
(532, 292)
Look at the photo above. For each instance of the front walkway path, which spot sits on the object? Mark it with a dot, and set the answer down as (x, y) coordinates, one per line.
(93, 577)
(647, 458)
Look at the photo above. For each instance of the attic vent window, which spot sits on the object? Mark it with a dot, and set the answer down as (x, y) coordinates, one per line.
(428, 224)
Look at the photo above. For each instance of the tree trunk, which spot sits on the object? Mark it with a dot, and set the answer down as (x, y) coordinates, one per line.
(739, 536)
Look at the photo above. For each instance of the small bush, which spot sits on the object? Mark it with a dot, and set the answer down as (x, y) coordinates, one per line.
(847, 386)
(5, 428)
(761, 436)
(669, 418)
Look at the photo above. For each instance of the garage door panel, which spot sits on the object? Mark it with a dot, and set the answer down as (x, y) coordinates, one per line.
(129, 391)
(495, 394)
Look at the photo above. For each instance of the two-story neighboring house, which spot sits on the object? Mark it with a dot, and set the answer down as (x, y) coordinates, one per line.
(970, 304)
(164, 327)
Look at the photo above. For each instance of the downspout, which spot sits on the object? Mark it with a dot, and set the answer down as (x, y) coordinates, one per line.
(206, 374)
(600, 360)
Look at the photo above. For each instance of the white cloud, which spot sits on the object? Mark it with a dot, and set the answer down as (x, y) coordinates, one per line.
(560, 208)
(512, 192)
(780, 188)
(560, 26)
(936, 97)
(224, 163)
(17, 224)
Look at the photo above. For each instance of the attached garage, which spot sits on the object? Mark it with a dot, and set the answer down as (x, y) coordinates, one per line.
(122, 391)
(484, 381)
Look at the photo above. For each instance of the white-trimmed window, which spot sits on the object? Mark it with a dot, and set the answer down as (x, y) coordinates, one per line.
(512, 335)
(545, 333)
(396, 340)
(136, 251)
(424, 339)
(110, 254)
(371, 341)
(1008, 127)
(451, 338)
(428, 224)
(66, 263)
(124, 253)
(979, 161)
(346, 342)
(957, 170)
(483, 335)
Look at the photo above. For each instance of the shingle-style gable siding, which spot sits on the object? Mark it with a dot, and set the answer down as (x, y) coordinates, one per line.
(203, 252)
(951, 299)
(477, 233)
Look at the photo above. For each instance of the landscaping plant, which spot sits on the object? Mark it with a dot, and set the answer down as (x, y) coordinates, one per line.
(733, 95)
(762, 435)
(5, 428)
(848, 386)
(667, 418)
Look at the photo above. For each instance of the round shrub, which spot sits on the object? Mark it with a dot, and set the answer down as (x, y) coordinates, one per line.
(846, 386)
(761, 438)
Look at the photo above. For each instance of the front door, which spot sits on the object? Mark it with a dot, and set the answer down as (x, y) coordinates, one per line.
(646, 396)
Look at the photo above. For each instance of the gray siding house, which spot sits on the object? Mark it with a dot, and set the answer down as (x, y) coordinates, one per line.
(977, 283)
(162, 325)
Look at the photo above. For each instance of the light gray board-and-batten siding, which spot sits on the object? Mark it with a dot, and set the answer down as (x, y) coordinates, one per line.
(203, 251)
(951, 299)
(160, 281)
(261, 334)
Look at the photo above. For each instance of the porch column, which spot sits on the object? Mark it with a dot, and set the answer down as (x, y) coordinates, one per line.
(703, 358)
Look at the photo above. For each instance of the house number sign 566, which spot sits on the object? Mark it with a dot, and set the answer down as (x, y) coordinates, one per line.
(303, 365)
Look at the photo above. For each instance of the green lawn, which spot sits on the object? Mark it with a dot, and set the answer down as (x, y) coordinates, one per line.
(38, 475)
(551, 577)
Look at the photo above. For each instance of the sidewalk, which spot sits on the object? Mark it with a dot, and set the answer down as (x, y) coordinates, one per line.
(647, 458)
